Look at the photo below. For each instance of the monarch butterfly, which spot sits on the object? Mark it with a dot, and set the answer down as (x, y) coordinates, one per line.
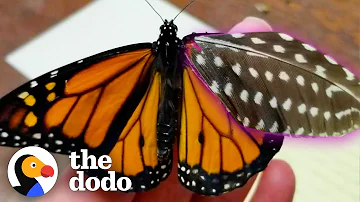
(220, 96)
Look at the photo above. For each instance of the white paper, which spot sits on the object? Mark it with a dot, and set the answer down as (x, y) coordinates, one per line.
(100, 26)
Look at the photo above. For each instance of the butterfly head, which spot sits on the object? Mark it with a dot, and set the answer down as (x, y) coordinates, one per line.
(168, 34)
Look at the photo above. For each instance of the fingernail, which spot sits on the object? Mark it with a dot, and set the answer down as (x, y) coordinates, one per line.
(252, 24)
(255, 20)
(258, 21)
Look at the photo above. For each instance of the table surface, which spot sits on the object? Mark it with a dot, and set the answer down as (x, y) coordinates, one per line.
(325, 171)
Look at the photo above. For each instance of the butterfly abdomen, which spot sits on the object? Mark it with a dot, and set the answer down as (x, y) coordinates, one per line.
(167, 49)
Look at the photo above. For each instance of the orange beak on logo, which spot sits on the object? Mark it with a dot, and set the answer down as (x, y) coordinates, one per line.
(47, 171)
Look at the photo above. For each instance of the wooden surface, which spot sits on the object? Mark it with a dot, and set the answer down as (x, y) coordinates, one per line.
(20, 21)
(331, 25)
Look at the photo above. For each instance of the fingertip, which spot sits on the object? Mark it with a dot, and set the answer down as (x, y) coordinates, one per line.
(281, 173)
(277, 183)
(62, 192)
(251, 24)
(282, 168)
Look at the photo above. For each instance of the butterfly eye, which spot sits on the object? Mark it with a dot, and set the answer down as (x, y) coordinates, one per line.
(33, 165)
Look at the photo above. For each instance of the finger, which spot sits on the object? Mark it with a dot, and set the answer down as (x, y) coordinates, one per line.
(277, 183)
(61, 192)
(235, 195)
(251, 24)
(168, 190)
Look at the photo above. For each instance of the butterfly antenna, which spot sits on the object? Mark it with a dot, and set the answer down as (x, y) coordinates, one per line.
(184, 9)
(155, 10)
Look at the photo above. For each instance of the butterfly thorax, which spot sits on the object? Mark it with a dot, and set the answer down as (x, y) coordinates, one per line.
(168, 43)
(167, 47)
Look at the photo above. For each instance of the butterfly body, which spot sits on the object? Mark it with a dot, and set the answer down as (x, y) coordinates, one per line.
(219, 95)
(167, 48)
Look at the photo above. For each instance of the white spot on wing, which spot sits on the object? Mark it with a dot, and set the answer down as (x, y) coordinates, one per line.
(346, 112)
(273, 102)
(308, 47)
(218, 61)
(54, 72)
(279, 49)
(237, 35)
(269, 76)
(37, 136)
(256, 40)
(302, 108)
(327, 115)
(330, 59)
(237, 69)
(329, 91)
(274, 127)
(314, 111)
(253, 72)
(33, 84)
(349, 75)
(300, 80)
(246, 122)
(260, 125)
(228, 89)
(258, 98)
(320, 71)
(300, 58)
(287, 104)
(300, 131)
(23, 95)
(288, 130)
(200, 59)
(284, 76)
(286, 37)
(214, 87)
(58, 142)
(244, 95)
(4, 135)
(315, 87)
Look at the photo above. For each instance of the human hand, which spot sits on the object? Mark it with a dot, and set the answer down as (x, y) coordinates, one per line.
(276, 184)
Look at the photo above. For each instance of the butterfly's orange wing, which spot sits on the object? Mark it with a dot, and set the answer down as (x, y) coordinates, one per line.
(106, 103)
(216, 154)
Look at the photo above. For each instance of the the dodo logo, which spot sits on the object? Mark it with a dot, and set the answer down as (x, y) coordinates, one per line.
(32, 171)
